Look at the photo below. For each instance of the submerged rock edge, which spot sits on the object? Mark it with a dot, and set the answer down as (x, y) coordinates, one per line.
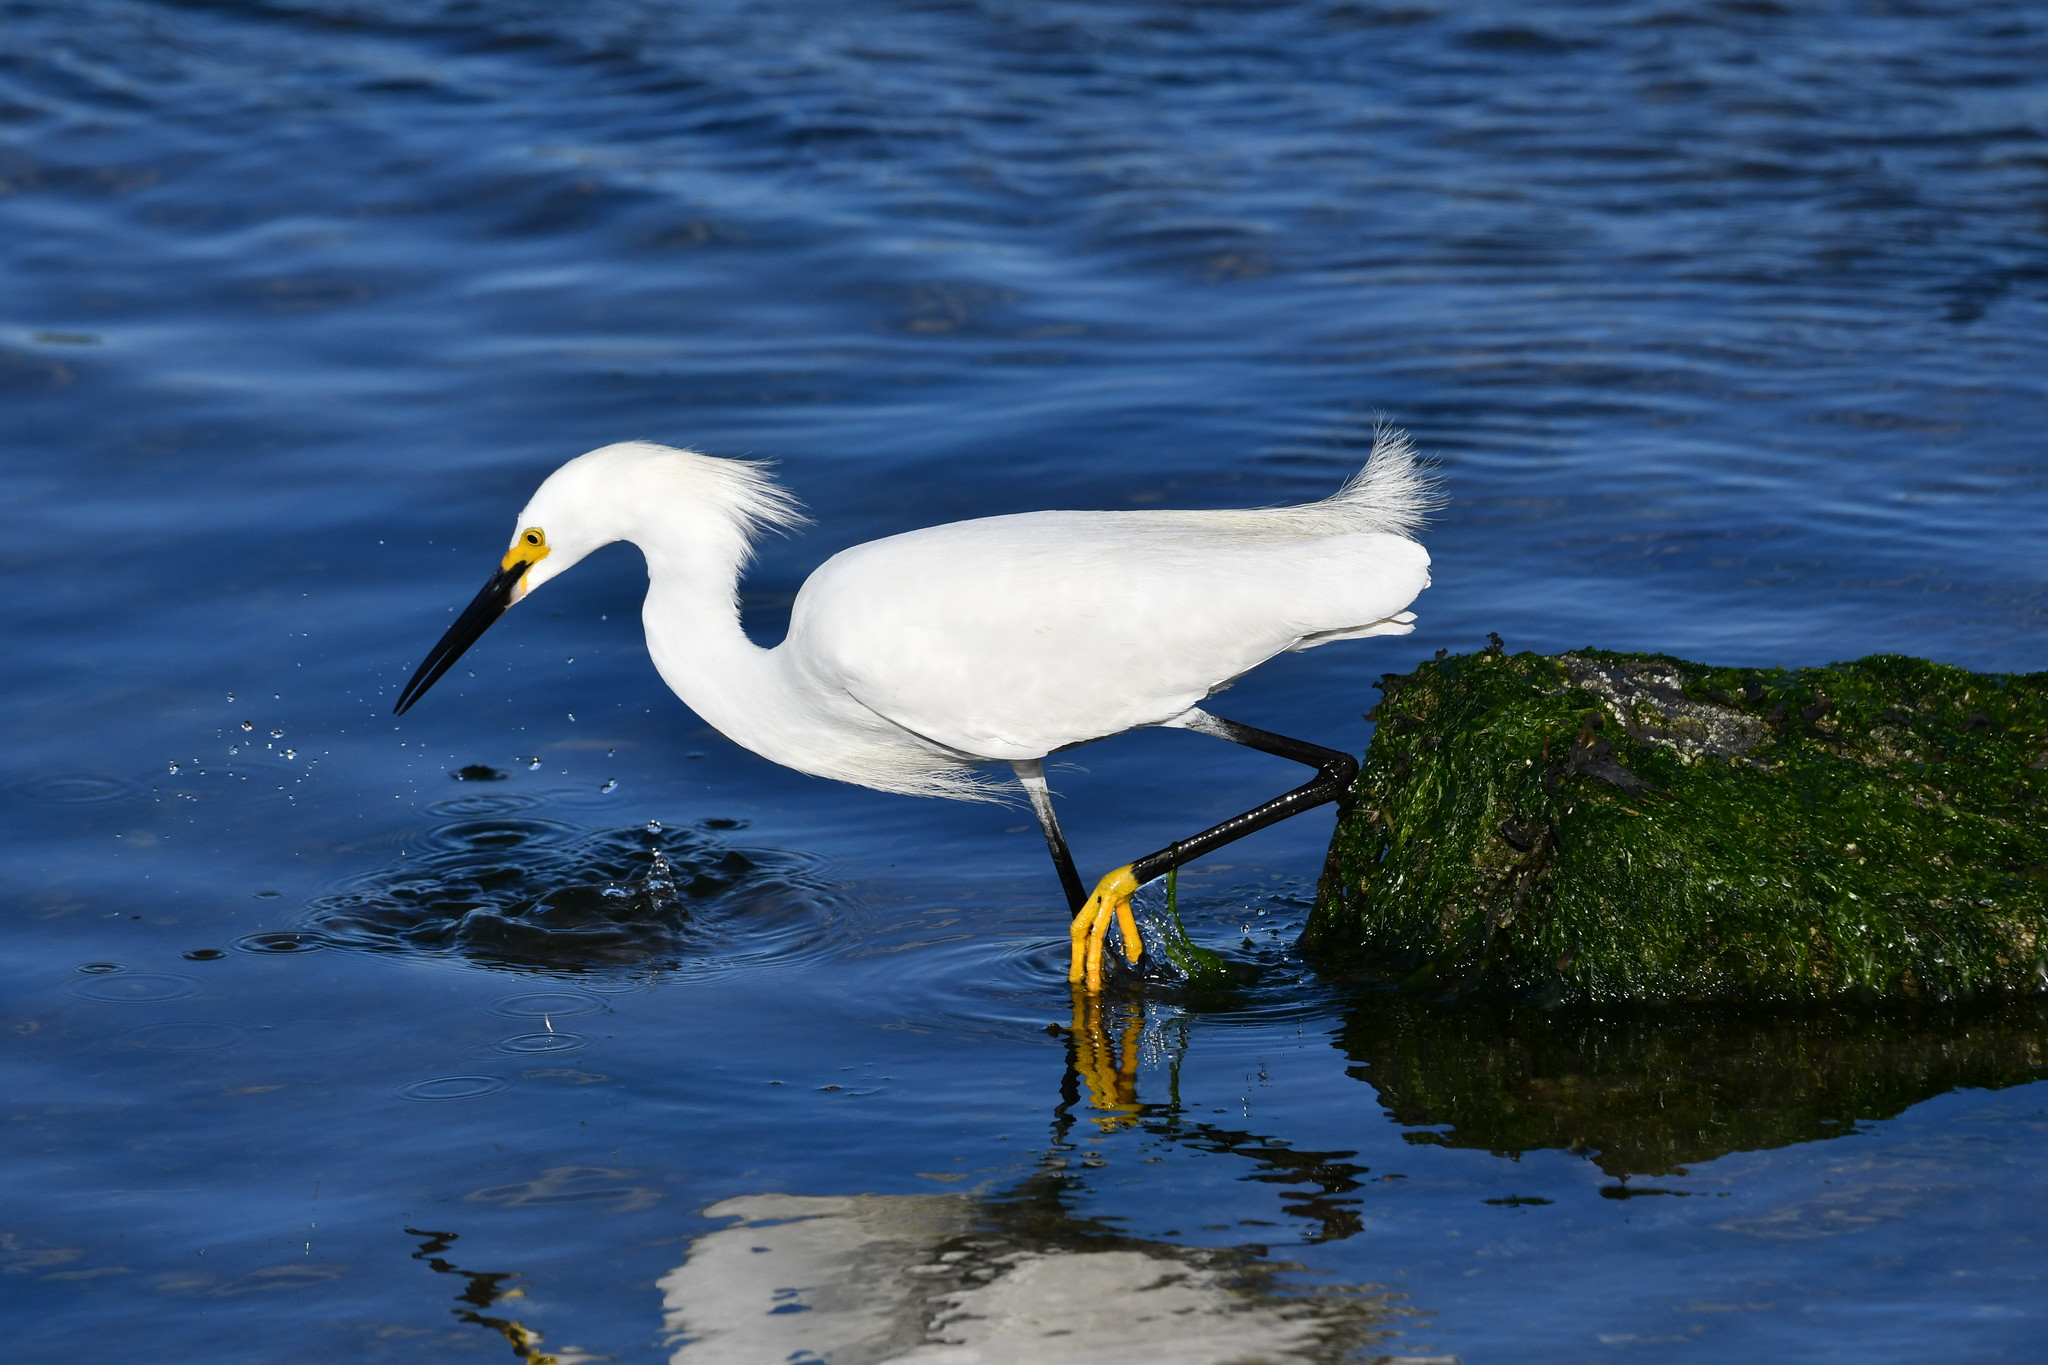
(1599, 826)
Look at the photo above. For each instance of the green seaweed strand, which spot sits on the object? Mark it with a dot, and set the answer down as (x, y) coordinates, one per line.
(1201, 967)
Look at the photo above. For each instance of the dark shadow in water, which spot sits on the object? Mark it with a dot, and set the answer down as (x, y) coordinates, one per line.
(1649, 1093)
(504, 889)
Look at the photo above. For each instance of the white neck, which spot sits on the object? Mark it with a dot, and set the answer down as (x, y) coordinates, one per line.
(692, 617)
(755, 697)
(692, 516)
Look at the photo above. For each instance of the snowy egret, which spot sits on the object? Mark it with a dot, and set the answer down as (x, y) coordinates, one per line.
(913, 660)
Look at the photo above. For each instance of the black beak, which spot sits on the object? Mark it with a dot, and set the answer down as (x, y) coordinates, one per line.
(476, 618)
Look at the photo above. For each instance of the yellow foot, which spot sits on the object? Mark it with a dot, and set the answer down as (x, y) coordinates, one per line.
(1112, 900)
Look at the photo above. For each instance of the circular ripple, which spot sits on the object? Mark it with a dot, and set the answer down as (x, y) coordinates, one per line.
(613, 985)
(136, 988)
(592, 797)
(472, 807)
(280, 941)
(444, 1088)
(526, 1044)
(545, 1005)
(100, 968)
(500, 835)
(76, 789)
(184, 1035)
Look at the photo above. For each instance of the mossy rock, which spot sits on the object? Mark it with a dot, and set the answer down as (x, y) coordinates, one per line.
(1630, 827)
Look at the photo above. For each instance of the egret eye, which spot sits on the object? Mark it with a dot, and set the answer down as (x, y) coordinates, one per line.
(533, 537)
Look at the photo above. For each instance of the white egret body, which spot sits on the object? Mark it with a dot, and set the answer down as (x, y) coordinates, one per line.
(915, 661)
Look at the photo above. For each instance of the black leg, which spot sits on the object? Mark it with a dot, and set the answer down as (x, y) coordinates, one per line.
(1334, 771)
(1031, 772)
(1111, 899)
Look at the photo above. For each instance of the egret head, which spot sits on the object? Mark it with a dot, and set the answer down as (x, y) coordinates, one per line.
(635, 490)
(564, 521)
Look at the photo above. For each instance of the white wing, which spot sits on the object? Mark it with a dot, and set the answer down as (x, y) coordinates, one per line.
(1013, 636)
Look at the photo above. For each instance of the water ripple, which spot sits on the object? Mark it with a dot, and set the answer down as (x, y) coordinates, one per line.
(78, 789)
(440, 1089)
(515, 891)
(136, 988)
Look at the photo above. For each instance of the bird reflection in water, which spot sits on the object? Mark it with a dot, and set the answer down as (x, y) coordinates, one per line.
(1018, 1275)
(1015, 1275)
(1103, 1044)
(484, 1290)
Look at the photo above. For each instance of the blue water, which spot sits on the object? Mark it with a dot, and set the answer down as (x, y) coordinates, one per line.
(1727, 324)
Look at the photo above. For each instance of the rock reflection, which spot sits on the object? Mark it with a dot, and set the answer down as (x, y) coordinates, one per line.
(1650, 1093)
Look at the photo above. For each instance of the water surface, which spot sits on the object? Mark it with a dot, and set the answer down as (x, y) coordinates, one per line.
(1724, 322)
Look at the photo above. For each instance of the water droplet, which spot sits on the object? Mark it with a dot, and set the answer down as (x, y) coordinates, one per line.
(248, 725)
(174, 767)
(277, 734)
(234, 748)
(532, 764)
(654, 826)
(572, 717)
(611, 785)
(231, 698)
(291, 753)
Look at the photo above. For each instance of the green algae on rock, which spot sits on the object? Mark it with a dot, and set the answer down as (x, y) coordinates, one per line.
(1619, 827)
